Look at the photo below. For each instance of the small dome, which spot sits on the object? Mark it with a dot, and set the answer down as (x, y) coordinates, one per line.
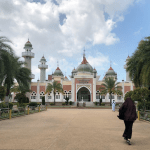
(110, 72)
(43, 59)
(74, 70)
(28, 44)
(94, 71)
(58, 72)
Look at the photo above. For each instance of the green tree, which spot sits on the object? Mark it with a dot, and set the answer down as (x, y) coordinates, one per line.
(138, 64)
(11, 68)
(20, 89)
(140, 95)
(21, 98)
(2, 92)
(55, 86)
(110, 86)
(128, 94)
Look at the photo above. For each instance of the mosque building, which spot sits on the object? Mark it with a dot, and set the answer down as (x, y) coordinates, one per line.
(83, 84)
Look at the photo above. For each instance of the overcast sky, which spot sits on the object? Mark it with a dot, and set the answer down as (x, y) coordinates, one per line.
(109, 30)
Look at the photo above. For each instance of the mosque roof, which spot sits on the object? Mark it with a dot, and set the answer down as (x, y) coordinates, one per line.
(58, 72)
(110, 71)
(28, 44)
(84, 66)
(43, 59)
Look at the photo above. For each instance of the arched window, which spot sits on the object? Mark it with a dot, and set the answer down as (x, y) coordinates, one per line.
(69, 94)
(119, 97)
(42, 94)
(50, 95)
(112, 96)
(97, 95)
(33, 95)
(57, 95)
(65, 94)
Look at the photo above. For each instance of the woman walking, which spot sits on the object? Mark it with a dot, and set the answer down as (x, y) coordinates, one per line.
(127, 112)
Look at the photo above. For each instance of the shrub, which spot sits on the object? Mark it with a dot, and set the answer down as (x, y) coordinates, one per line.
(102, 104)
(33, 104)
(147, 105)
(63, 103)
(38, 103)
(23, 105)
(67, 99)
(10, 105)
(21, 98)
(3, 105)
(70, 103)
(96, 103)
(43, 100)
(52, 104)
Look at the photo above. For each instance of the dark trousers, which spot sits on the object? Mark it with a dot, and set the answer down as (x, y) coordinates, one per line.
(128, 129)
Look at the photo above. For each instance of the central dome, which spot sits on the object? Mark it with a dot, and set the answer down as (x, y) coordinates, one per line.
(58, 72)
(84, 66)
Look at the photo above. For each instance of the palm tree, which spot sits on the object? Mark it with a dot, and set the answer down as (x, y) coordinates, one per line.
(11, 68)
(53, 88)
(138, 64)
(110, 86)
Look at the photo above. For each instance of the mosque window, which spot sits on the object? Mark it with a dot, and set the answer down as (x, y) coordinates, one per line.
(33, 95)
(119, 97)
(57, 96)
(69, 94)
(49, 97)
(103, 96)
(97, 95)
(42, 94)
(112, 96)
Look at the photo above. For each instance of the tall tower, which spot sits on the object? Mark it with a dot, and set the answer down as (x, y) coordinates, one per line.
(43, 68)
(28, 55)
(125, 67)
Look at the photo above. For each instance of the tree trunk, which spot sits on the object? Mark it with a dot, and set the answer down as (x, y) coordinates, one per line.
(110, 99)
(54, 98)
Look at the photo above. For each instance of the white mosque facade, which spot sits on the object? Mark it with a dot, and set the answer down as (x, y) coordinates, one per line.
(84, 82)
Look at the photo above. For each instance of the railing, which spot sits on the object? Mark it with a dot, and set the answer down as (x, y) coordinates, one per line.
(42, 66)
(32, 76)
(29, 54)
(6, 113)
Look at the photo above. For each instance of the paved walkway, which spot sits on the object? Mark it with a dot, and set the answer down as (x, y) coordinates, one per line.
(72, 129)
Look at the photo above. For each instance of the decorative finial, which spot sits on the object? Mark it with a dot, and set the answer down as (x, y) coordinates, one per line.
(65, 73)
(84, 52)
(110, 63)
(57, 63)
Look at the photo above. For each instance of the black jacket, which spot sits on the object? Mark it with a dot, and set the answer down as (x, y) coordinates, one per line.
(127, 111)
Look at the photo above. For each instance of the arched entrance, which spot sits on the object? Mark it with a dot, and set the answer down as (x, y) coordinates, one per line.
(85, 93)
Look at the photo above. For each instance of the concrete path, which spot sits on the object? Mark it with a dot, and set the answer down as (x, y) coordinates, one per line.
(72, 129)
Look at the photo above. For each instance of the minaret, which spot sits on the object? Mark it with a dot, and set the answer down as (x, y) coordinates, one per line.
(43, 68)
(28, 55)
(125, 67)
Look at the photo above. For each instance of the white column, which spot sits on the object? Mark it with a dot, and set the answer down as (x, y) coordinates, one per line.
(94, 89)
(72, 89)
(123, 90)
(38, 94)
(131, 86)
(46, 95)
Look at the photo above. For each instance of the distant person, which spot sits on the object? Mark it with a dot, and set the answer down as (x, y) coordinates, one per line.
(113, 105)
(127, 112)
